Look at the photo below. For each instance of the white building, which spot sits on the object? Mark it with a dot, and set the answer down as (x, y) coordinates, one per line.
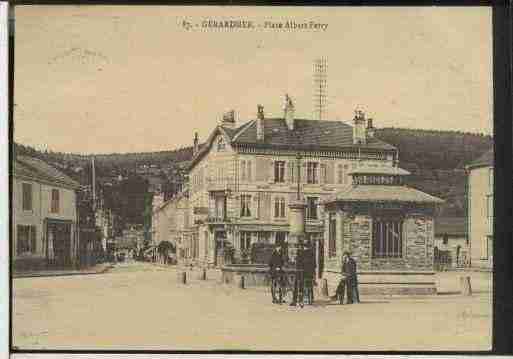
(44, 231)
(480, 210)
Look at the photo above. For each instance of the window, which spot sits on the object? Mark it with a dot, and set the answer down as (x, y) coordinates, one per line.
(279, 207)
(220, 144)
(26, 236)
(311, 172)
(387, 238)
(55, 201)
(332, 239)
(279, 171)
(446, 239)
(245, 205)
(27, 196)
(311, 207)
(220, 206)
(245, 241)
(324, 173)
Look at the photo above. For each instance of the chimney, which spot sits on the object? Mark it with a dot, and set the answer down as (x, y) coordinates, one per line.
(370, 128)
(195, 147)
(359, 136)
(260, 123)
(289, 112)
(229, 119)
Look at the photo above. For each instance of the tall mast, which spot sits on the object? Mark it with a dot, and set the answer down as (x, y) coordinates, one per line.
(93, 180)
(319, 90)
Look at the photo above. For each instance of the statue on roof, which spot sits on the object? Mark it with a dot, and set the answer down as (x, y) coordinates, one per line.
(358, 112)
(288, 102)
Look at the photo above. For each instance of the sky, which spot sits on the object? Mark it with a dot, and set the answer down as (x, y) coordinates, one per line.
(104, 79)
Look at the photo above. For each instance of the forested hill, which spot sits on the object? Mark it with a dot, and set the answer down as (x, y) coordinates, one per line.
(436, 160)
(429, 149)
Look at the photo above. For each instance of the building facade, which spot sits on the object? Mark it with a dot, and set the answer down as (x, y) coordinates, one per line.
(243, 178)
(44, 232)
(452, 246)
(170, 223)
(480, 210)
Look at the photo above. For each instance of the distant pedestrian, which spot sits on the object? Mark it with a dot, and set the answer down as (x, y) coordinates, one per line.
(349, 283)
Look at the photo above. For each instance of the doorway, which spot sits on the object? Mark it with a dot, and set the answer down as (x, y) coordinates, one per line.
(58, 244)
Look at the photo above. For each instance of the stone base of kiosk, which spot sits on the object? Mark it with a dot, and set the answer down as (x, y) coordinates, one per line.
(388, 283)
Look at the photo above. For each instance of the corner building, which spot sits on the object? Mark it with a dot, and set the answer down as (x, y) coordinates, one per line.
(244, 177)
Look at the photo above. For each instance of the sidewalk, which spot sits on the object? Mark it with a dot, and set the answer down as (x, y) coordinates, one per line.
(97, 269)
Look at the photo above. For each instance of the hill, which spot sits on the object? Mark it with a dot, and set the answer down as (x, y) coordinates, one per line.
(436, 160)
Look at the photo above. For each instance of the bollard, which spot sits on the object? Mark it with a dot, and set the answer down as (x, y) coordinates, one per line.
(324, 288)
(466, 288)
(203, 274)
(241, 282)
(182, 277)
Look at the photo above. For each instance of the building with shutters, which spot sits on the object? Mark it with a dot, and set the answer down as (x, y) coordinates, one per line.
(244, 176)
(44, 204)
(480, 210)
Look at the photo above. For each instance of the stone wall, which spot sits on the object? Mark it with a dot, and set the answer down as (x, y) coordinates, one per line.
(355, 235)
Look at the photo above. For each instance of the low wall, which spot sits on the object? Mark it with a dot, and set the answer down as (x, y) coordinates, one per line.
(255, 275)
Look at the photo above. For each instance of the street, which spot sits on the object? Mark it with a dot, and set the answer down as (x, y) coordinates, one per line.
(141, 306)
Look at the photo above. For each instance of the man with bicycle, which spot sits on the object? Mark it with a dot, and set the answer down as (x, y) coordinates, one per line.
(276, 271)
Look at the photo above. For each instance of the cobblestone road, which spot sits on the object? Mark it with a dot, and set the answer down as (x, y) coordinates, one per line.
(142, 306)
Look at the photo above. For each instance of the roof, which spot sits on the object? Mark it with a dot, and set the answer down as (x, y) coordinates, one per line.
(35, 168)
(305, 135)
(485, 160)
(383, 170)
(384, 193)
(455, 226)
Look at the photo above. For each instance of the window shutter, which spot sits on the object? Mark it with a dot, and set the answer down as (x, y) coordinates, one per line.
(322, 172)
(330, 173)
(290, 174)
(249, 176)
(303, 173)
(33, 239)
(271, 170)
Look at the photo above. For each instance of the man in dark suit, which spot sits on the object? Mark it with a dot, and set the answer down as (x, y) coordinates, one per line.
(349, 282)
(309, 264)
(276, 269)
(299, 280)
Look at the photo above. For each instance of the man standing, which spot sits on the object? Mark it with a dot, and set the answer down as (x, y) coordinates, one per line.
(349, 281)
(309, 267)
(299, 280)
(275, 269)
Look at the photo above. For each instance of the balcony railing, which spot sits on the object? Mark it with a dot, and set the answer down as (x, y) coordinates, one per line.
(217, 220)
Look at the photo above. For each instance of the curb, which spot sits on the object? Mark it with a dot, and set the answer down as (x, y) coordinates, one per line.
(37, 275)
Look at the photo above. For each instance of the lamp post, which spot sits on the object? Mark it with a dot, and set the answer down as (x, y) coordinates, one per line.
(298, 158)
(296, 216)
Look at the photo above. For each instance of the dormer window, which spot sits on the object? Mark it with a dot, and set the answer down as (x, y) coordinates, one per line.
(221, 146)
